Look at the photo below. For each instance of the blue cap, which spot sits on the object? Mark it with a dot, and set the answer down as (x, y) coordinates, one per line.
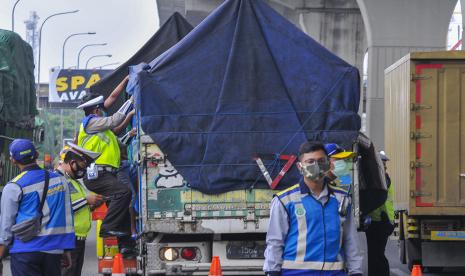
(335, 151)
(332, 149)
(21, 149)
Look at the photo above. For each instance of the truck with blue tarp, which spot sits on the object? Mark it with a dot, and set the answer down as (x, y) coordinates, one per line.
(231, 101)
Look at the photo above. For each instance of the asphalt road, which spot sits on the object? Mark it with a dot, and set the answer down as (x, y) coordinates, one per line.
(397, 269)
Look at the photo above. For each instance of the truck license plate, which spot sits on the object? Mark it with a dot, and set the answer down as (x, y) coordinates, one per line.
(245, 250)
(448, 235)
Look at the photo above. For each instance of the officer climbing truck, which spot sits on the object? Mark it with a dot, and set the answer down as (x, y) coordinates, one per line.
(425, 139)
(17, 97)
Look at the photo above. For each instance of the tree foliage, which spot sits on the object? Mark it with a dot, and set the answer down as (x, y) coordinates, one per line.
(52, 143)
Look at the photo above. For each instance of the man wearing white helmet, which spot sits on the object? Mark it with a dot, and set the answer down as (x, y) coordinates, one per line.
(95, 134)
(73, 164)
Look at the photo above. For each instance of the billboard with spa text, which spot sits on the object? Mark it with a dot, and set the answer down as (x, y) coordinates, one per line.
(67, 87)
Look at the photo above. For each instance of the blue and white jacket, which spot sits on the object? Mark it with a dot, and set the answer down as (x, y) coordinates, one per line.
(57, 223)
(307, 235)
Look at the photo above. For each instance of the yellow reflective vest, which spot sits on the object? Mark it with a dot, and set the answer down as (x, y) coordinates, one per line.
(387, 207)
(81, 209)
(104, 142)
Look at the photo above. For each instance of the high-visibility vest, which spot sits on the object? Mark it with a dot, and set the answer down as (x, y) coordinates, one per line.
(313, 241)
(387, 207)
(104, 142)
(81, 209)
(57, 230)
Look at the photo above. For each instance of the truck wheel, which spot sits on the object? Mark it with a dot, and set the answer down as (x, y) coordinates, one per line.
(401, 244)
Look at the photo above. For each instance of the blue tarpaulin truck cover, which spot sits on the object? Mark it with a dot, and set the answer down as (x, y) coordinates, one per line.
(244, 82)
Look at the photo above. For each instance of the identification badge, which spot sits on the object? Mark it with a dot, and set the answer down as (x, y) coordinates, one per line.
(92, 172)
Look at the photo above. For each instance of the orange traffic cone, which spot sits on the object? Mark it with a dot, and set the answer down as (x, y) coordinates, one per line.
(215, 267)
(118, 266)
(416, 271)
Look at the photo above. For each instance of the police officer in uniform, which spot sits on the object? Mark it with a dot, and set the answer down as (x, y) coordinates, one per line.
(379, 230)
(73, 163)
(20, 204)
(307, 234)
(95, 134)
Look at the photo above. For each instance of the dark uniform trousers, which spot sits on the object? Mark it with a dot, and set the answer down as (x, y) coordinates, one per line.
(377, 235)
(77, 259)
(117, 217)
(35, 264)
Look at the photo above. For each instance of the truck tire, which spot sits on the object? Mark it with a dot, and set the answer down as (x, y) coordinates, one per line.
(402, 258)
(413, 253)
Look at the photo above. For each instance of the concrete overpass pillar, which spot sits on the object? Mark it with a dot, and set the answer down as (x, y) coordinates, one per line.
(462, 8)
(395, 28)
(337, 25)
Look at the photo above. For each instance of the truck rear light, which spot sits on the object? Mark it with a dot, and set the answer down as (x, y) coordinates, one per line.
(169, 254)
(189, 253)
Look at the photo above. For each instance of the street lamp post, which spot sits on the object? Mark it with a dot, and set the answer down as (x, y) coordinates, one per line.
(105, 65)
(13, 16)
(85, 46)
(64, 44)
(62, 67)
(87, 63)
(40, 43)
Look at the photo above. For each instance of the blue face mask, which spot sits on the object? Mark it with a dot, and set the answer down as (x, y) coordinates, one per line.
(341, 168)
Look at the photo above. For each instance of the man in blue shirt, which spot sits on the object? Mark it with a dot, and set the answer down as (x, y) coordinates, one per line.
(20, 202)
(311, 231)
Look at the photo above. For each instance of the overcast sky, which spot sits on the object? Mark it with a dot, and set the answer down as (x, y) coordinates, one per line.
(124, 24)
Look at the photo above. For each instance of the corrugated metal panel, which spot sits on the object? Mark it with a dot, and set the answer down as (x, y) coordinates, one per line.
(385, 56)
(397, 128)
(381, 57)
(427, 167)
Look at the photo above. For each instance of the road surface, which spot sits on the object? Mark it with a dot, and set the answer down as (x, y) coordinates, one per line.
(397, 269)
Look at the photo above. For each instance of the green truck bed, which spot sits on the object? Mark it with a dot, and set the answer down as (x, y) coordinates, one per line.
(17, 96)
